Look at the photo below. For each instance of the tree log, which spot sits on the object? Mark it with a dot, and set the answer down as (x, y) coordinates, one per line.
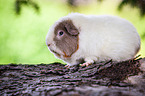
(126, 78)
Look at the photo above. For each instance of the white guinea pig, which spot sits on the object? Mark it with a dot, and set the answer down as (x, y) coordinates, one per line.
(78, 38)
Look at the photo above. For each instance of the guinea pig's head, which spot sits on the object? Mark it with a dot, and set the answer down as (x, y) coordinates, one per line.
(62, 38)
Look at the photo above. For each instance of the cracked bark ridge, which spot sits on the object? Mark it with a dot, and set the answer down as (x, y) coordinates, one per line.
(102, 79)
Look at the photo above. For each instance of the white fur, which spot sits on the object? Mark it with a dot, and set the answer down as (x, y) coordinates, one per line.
(101, 38)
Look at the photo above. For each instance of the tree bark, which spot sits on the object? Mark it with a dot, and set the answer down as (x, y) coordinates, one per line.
(125, 78)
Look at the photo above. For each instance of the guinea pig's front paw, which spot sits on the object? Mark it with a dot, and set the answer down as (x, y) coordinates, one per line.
(86, 64)
(67, 66)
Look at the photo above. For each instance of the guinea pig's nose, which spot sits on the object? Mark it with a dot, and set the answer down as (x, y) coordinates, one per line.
(48, 45)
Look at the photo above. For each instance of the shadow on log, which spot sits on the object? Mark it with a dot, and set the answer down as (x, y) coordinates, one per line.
(125, 78)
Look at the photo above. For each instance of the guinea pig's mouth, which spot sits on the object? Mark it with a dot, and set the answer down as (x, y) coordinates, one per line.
(58, 53)
(55, 52)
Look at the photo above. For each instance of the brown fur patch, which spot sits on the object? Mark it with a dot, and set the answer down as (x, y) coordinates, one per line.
(68, 43)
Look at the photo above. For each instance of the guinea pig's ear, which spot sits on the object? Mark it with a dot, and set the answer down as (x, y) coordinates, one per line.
(71, 29)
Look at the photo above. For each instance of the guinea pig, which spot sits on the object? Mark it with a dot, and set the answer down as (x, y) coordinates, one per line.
(78, 38)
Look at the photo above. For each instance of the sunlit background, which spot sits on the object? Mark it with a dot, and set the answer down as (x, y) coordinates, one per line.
(22, 34)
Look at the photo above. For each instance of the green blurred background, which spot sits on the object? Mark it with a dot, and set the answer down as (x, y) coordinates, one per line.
(22, 37)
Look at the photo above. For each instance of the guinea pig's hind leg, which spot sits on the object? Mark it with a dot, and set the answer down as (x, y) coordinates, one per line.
(87, 62)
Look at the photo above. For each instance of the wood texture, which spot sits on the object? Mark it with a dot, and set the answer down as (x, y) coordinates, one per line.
(102, 79)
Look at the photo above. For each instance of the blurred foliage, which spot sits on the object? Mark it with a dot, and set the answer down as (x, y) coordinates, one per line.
(71, 2)
(134, 3)
(22, 38)
(20, 3)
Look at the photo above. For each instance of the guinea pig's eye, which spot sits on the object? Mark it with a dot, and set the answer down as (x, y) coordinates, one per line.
(60, 33)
